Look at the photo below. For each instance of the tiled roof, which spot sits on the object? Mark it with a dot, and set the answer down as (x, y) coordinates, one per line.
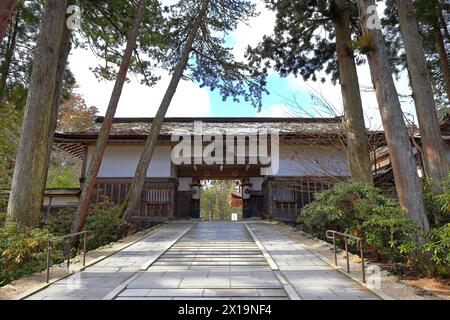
(135, 127)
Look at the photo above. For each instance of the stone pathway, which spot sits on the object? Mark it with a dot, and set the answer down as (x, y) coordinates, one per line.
(310, 276)
(209, 260)
(214, 260)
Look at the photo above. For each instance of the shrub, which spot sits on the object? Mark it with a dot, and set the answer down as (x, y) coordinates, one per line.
(23, 251)
(361, 210)
(438, 205)
(102, 218)
(438, 246)
(105, 221)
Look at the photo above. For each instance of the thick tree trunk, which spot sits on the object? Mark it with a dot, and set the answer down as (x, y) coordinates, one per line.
(443, 57)
(27, 190)
(137, 184)
(6, 9)
(357, 143)
(407, 182)
(96, 159)
(9, 52)
(436, 163)
(64, 50)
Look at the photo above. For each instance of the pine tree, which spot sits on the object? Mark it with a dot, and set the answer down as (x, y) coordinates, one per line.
(198, 52)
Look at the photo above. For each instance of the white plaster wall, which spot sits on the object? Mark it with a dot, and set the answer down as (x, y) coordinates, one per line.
(256, 183)
(184, 184)
(121, 161)
(298, 160)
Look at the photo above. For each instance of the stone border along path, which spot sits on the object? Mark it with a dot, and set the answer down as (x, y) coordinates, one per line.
(209, 260)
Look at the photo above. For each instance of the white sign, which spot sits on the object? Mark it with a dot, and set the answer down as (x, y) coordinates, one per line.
(234, 216)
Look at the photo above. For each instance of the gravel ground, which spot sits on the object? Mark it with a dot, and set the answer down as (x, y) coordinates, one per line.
(389, 285)
(21, 286)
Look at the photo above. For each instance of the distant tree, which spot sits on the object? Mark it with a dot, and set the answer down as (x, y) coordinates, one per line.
(74, 115)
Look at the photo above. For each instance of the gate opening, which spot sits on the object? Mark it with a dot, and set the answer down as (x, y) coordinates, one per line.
(221, 200)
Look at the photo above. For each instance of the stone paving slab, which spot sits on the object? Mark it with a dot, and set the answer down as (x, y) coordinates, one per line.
(310, 276)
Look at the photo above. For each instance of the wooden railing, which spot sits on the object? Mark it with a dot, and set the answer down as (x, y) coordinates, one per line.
(72, 235)
(331, 234)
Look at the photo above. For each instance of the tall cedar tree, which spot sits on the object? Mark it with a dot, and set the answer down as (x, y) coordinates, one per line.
(407, 182)
(96, 159)
(30, 171)
(312, 35)
(435, 156)
(433, 17)
(198, 52)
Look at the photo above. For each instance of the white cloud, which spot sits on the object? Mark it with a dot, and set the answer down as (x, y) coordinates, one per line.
(252, 32)
(137, 100)
(274, 111)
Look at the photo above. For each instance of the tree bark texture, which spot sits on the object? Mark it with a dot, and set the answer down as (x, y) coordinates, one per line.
(435, 156)
(30, 171)
(407, 182)
(6, 10)
(358, 152)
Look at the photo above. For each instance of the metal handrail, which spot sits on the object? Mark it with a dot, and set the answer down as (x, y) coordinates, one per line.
(331, 234)
(69, 249)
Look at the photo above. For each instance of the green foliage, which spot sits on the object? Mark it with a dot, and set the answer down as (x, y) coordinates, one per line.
(215, 202)
(103, 219)
(10, 123)
(437, 204)
(438, 245)
(23, 251)
(304, 41)
(360, 210)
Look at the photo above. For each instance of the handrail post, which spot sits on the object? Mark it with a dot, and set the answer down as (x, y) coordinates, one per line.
(362, 262)
(335, 253)
(69, 251)
(49, 248)
(84, 250)
(346, 253)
